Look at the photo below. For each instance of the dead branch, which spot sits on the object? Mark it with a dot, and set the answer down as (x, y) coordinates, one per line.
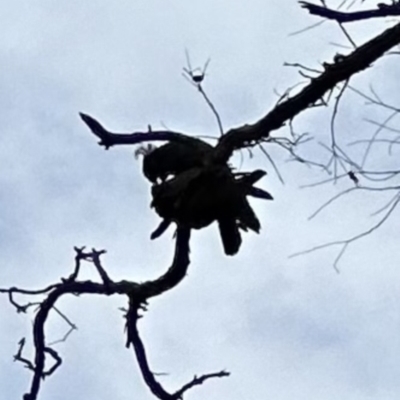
(134, 339)
(389, 207)
(199, 380)
(382, 10)
(137, 294)
(109, 139)
(341, 70)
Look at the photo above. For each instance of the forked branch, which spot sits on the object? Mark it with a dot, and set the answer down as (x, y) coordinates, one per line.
(137, 293)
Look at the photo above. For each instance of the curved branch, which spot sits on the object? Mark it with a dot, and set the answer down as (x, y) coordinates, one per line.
(139, 292)
(199, 380)
(175, 273)
(134, 339)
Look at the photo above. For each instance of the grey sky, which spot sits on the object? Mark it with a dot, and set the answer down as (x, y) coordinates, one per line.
(285, 328)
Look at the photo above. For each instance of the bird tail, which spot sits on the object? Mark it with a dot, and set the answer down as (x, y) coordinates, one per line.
(248, 219)
(230, 235)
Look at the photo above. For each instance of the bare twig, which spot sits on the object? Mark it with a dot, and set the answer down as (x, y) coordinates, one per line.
(196, 77)
(213, 109)
(346, 242)
(199, 380)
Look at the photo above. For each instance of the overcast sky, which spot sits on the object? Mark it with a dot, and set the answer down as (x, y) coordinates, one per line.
(285, 328)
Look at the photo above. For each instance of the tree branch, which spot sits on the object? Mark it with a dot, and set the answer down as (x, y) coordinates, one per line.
(109, 139)
(343, 68)
(133, 338)
(139, 292)
(383, 10)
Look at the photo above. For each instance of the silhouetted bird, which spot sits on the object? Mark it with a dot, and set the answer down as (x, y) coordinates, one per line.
(199, 191)
(173, 158)
(199, 196)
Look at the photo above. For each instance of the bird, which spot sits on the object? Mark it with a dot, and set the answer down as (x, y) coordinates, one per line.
(174, 157)
(199, 196)
(192, 190)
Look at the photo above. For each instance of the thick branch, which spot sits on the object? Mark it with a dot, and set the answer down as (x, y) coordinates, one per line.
(383, 10)
(176, 272)
(342, 70)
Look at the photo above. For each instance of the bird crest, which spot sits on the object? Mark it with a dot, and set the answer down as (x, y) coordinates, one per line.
(144, 150)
